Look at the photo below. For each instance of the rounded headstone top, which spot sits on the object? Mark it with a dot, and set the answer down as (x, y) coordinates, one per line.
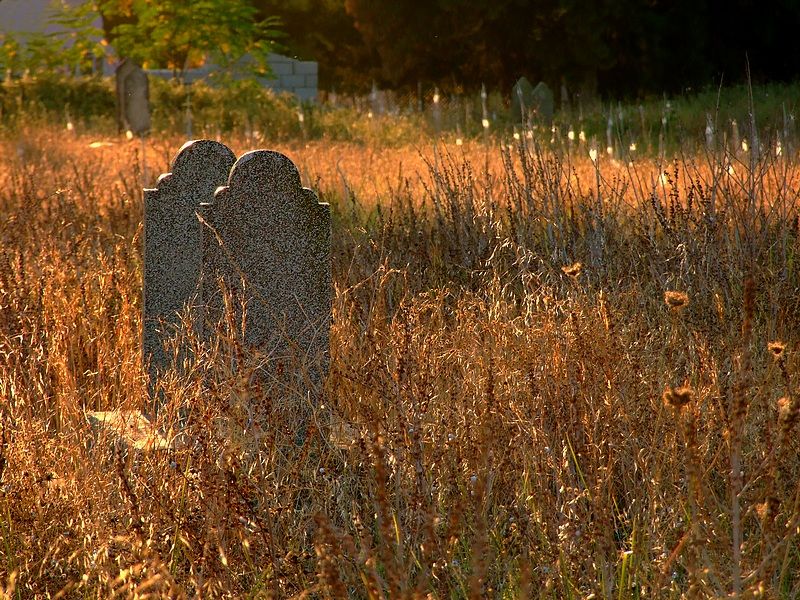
(202, 165)
(266, 170)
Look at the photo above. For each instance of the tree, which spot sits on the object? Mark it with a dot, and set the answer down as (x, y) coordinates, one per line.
(178, 34)
(469, 42)
(626, 46)
(80, 41)
(612, 47)
(323, 31)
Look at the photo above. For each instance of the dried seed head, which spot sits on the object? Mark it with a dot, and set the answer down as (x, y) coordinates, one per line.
(768, 510)
(676, 300)
(783, 407)
(573, 270)
(776, 348)
(678, 397)
(788, 414)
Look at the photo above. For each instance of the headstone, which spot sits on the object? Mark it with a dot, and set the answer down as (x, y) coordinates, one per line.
(173, 256)
(709, 131)
(123, 69)
(373, 99)
(542, 106)
(251, 262)
(532, 103)
(133, 98)
(270, 249)
(521, 100)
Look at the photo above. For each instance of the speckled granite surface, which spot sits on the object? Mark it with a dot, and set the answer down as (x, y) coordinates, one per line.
(271, 249)
(265, 240)
(173, 254)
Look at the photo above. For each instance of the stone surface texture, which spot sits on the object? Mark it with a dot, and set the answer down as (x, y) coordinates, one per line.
(173, 256)
(122, 71)
(542, 104)
(532, 104)
(251, 262)
(133, 98)
(521, 100)
(270, 250)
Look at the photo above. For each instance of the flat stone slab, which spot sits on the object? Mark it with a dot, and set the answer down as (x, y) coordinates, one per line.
(129, 428)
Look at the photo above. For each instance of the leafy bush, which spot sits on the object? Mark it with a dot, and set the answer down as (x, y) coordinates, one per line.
(241, 105)
(52, 96)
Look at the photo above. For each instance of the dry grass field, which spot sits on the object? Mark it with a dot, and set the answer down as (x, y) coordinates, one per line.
(549, 379)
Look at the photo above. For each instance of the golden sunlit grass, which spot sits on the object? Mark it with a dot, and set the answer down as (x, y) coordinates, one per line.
(520, 403)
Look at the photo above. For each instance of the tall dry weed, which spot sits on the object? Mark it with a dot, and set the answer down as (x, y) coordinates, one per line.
(494, 423)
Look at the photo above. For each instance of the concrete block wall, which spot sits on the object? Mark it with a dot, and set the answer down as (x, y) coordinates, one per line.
(305, 67)
(297, 77)
(281, 68)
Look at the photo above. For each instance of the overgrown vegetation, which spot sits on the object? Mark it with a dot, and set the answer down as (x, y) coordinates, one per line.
(656, 125)
(551, 377)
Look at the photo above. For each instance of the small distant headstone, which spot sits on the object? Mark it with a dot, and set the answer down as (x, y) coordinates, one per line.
(521, 100)
(173, 255)
(270, 248)
(133, 98)
(123, 69)
(532, 103)
(373, 100)
(709, 131)
(542, 106)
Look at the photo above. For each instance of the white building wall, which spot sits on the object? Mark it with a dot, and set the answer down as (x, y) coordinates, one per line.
(30, 16)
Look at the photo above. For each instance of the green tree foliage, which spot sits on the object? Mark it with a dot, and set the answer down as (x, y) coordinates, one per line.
(496, 41)
(81, 41)
(178, 34)
(10, 53)
(612, 47)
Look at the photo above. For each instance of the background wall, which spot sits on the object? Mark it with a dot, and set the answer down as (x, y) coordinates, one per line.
(298, 77)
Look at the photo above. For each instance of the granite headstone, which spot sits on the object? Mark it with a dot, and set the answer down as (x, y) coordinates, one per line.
(251, 262)
(542, 106)
(173, 255)
(532, 104)
(123, 69)
(270, 249)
